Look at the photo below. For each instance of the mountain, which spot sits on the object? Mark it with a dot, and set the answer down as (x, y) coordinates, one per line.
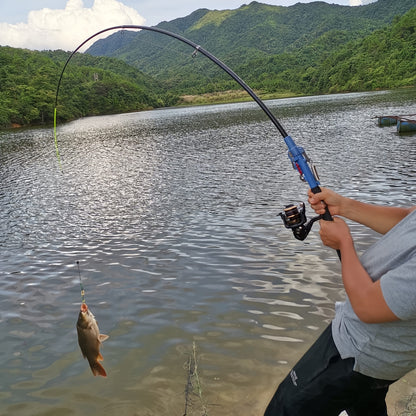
(385, 59)
(251, 33)
(313, 48)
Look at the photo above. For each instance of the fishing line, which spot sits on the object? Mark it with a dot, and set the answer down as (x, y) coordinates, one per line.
(81, 285)
(56, 139)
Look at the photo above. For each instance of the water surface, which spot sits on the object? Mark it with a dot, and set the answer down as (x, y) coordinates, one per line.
(172, 215)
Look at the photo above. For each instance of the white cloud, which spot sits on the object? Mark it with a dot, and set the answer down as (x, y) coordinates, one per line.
(361, 2)
(69, 27)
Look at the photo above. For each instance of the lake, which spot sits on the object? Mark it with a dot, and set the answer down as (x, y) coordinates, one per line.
(172, 215)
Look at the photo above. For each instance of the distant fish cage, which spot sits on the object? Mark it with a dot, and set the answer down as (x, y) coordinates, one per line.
(387, 120)
(404, 123)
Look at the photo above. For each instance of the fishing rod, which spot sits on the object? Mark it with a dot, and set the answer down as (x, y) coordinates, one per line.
(293, 216)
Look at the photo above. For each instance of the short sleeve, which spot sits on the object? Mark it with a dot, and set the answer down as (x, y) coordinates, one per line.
(399, 288)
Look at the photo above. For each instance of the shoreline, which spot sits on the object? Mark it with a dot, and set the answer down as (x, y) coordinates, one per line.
(229, 97)
(401, 398)
(219, 97)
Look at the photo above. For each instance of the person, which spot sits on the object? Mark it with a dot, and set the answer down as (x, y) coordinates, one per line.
(371, 342)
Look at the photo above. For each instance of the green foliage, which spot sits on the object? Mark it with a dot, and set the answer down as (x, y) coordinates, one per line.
(90, 86)
(385, 59)
(332, 63)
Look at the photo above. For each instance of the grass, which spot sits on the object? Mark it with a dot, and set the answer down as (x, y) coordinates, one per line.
(193, 384)
(230, 96)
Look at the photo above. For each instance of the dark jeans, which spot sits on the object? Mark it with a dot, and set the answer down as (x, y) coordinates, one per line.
(323, 384)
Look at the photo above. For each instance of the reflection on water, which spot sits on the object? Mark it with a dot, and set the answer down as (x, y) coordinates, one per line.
(173, 217)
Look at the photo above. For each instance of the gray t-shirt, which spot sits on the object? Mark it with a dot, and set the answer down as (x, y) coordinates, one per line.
(386, 350)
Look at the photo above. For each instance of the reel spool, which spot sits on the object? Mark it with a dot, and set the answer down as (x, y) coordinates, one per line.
(294, 217)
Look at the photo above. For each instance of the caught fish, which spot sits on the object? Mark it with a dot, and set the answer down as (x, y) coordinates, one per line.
(90, 339)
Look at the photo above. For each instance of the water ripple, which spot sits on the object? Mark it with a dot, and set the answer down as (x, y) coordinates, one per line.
(172, 216)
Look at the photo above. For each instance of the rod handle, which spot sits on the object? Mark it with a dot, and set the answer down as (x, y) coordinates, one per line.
(327, 215)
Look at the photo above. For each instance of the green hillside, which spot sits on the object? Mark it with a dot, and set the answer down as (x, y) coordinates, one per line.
(249, 39)
(90, 86)
(386, 59)
(383, 60)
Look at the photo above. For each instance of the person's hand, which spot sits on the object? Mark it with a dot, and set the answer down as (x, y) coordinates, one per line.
(328, 198)
(335, 233)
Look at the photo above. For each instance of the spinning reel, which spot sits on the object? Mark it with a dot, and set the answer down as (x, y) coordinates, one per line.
(294, 217)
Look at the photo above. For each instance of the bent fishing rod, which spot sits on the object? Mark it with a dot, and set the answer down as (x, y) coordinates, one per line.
(293, 216)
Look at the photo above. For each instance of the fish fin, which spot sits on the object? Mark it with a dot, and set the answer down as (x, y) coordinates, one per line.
(103, 337)
(98, 369)
(100, 357)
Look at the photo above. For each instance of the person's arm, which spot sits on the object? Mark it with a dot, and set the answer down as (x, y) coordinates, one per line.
(366, 296)
(378, 218)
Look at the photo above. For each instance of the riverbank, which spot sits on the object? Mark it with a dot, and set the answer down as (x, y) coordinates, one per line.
(220, 97)
(401, 398)
(229, 97)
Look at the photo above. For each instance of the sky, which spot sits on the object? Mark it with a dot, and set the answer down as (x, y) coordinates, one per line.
(64, 24)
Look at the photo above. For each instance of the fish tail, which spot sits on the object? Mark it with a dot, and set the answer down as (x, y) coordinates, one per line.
(98, 369)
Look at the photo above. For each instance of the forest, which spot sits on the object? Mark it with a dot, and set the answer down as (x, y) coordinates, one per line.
(90, 86)
(386, 59)
(378, 52)
(276, 49)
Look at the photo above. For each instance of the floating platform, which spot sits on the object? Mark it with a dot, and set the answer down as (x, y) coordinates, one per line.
(406, 125)
(387, 120)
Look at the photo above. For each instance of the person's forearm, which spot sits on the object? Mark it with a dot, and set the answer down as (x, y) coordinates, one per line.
(366, 296)
(378, 218)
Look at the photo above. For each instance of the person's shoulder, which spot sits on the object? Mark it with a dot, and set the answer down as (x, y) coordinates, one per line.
(411, 216)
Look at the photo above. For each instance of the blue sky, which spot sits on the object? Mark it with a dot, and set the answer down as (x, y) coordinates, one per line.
(64, 24)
